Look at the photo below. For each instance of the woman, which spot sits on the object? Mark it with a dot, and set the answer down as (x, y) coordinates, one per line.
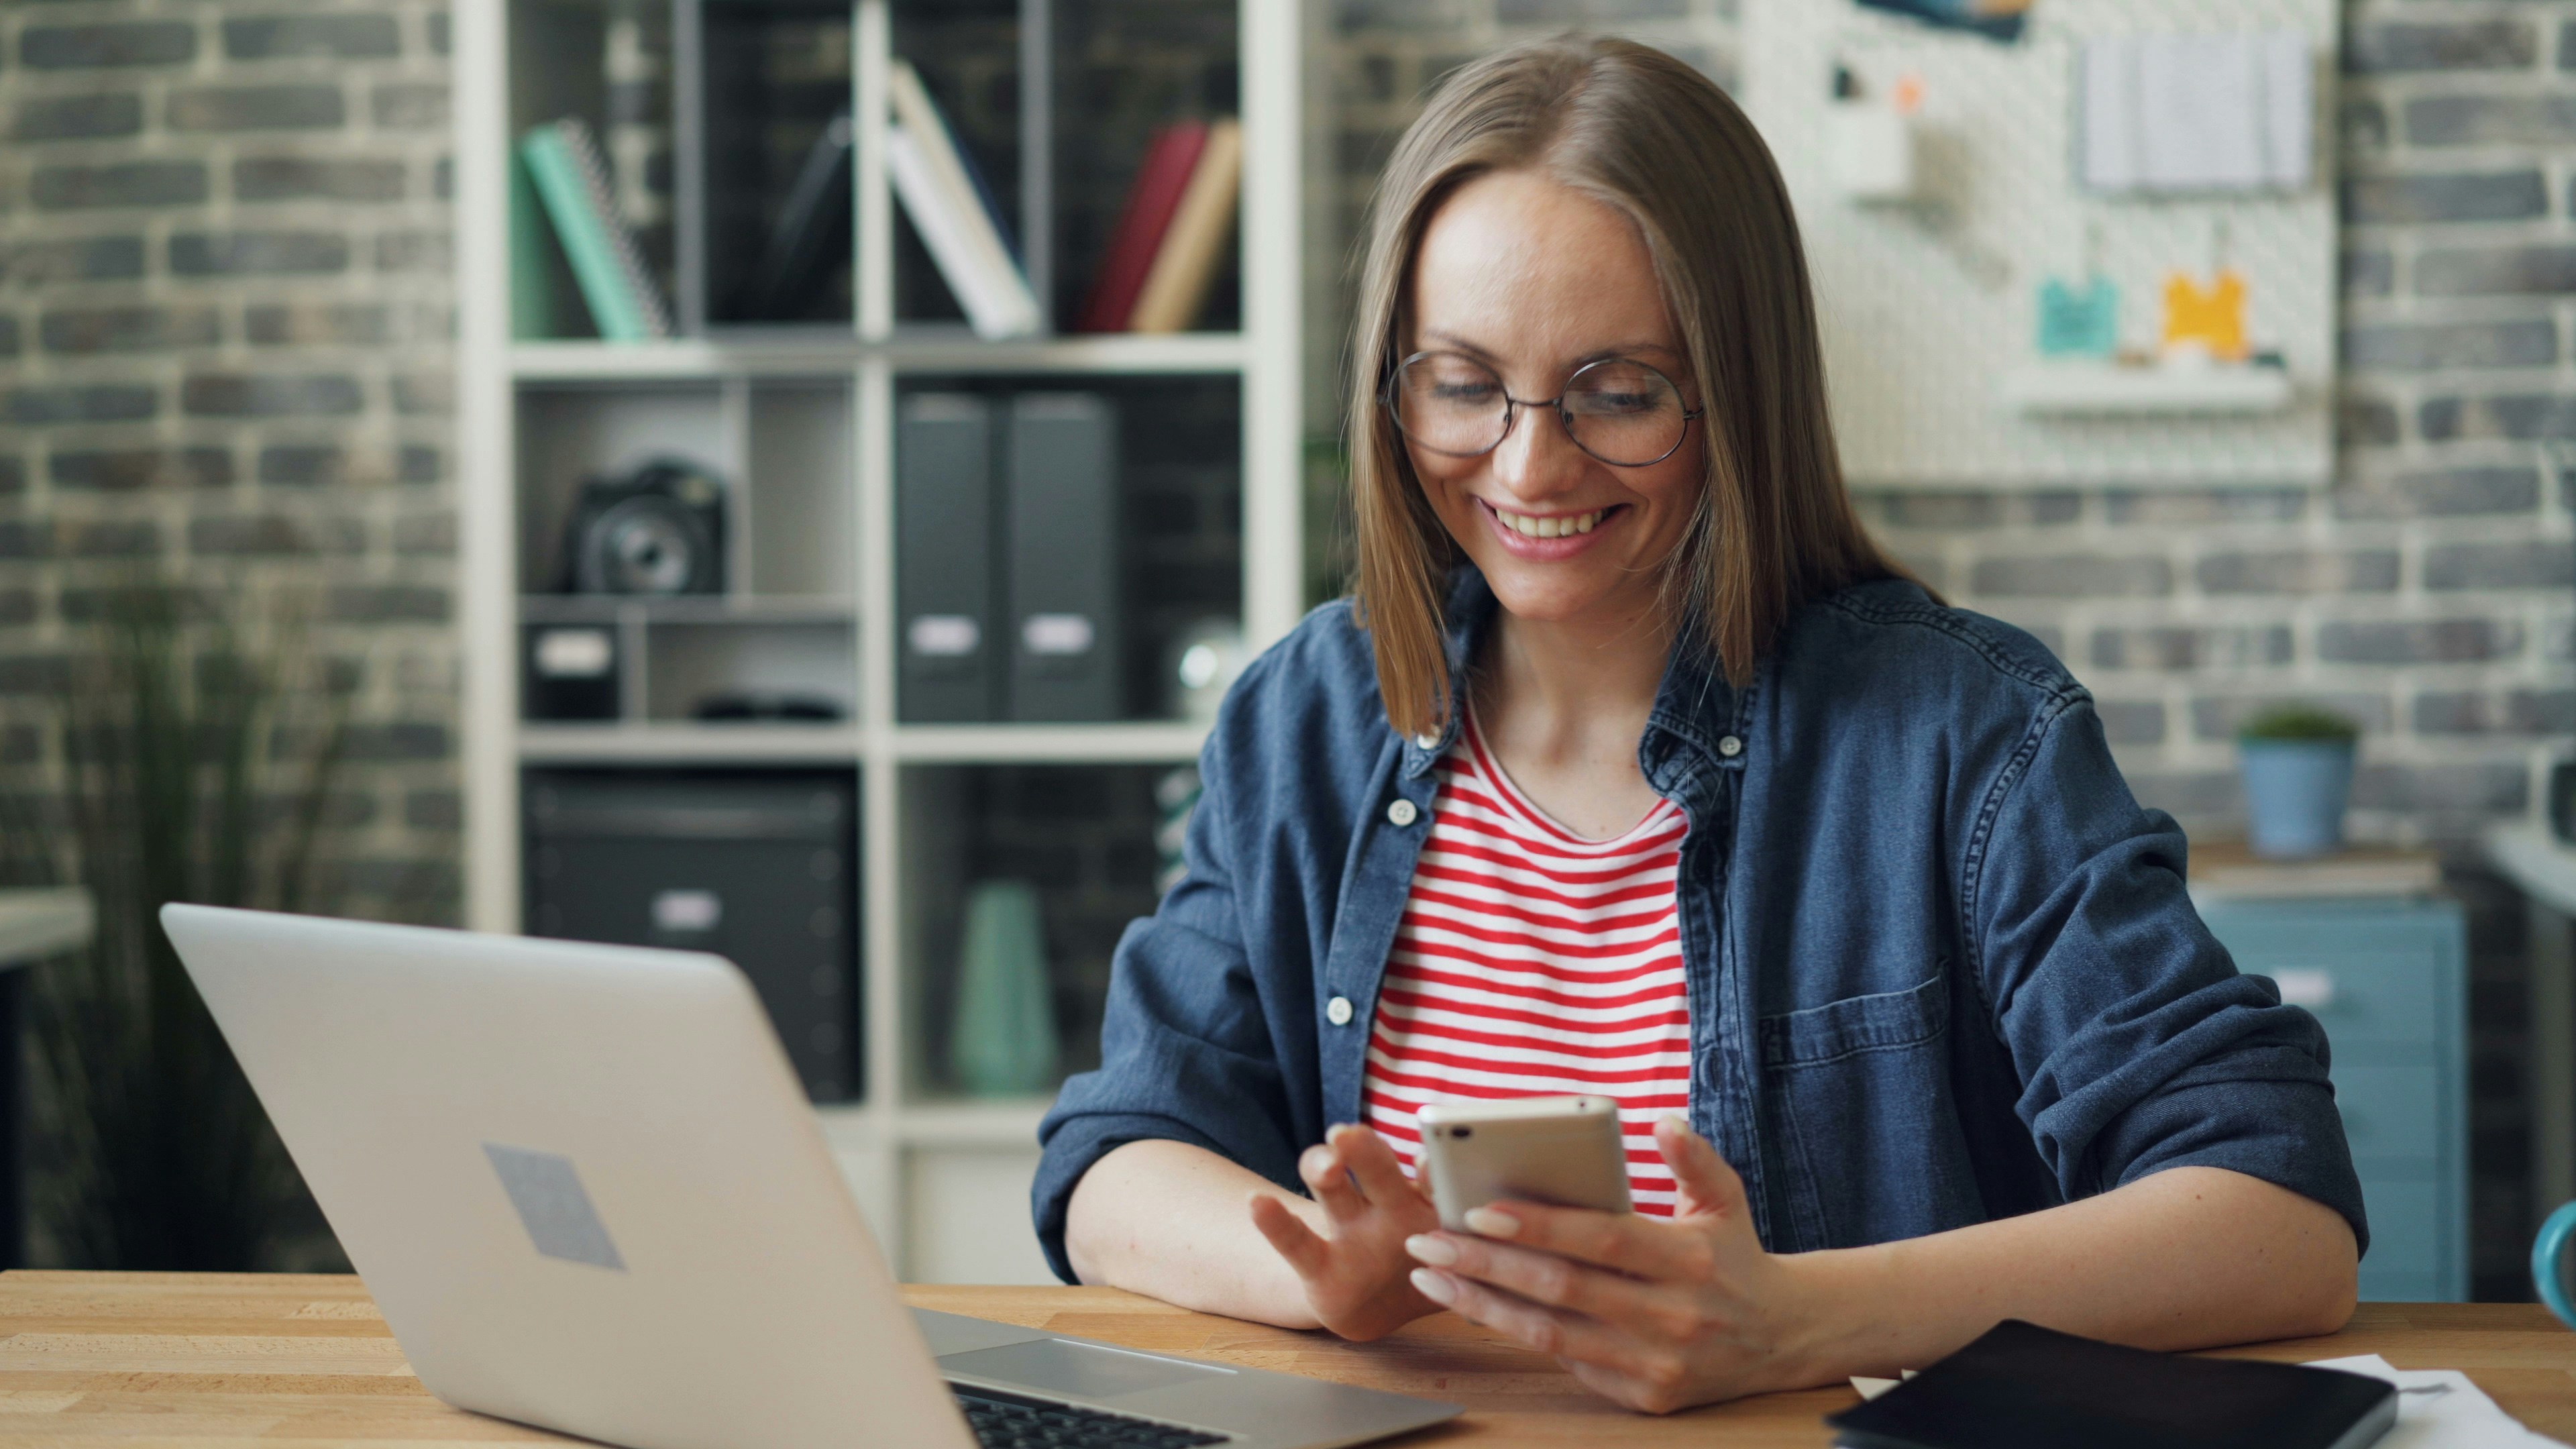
(1635, 768)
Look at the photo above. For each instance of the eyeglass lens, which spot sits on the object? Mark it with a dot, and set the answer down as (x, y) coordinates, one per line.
(1621, 412)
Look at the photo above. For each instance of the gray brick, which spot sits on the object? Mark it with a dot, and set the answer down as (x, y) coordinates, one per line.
(2073, 575)
(2418, 641)
(438, 32)
(118, 183)
(77, 117)
(2189, 794)
(360, 36)
(106, 44)
(13, 474)
(2567, 46)
(2496, 271)
(26, 538)
(10, 342)
(303, 465)
(431, 534)
(2480, 119)
(2181, 648)
(422, 250)
(255, 108)
(314, 178)
(258, 253)
(289, 323)
(270, 395)
(2131, 722)
(35, 404)
(112, 538)
(2524, 563)
(274, 535)
(2362, 422)
(2415, 198)
(2511, 712)
(82, 330)
(387, 604)
(2521, 418)
(2362, 123)
(2368, 274)
(2497, 44)
(2502, 787)
(126, 469)
(2439, 493)
(2298, 571)
(434, 809)
(33, 674)
(71, 259)
(2204, 505)
(2406, 347)
(419, 463)
(17, 606)
(2220, 716)
(425, 394)
(409, 105)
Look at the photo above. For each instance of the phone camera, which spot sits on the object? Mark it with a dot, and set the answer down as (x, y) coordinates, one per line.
(1462, 1132)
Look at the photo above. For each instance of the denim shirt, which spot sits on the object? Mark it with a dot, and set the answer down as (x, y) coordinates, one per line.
(1942, 967)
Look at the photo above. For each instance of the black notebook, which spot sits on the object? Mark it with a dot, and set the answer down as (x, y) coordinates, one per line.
(2026, 1387)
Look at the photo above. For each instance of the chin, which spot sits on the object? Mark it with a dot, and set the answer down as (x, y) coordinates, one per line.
(1529, 593)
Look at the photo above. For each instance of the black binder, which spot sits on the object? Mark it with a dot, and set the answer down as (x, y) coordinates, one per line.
(946, 625)
(1063, 549)
(2022, 1387)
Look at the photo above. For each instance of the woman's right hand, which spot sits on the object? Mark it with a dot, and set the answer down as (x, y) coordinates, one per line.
(1355, 1270)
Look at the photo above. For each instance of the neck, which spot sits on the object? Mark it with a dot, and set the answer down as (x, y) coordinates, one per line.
(1574, 676)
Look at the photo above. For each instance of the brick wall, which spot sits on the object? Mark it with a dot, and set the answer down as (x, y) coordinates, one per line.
(2427, 591)
(225, 315)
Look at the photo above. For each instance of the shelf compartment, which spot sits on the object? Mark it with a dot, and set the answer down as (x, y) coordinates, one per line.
(1082, 836)
(758, 111)
(569, 434)
(969, 55)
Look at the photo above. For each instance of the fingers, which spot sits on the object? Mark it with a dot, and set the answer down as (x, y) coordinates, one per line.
(1540, 1277)
(1366, 1155)
(1622, 1242)
(1328, 1177)
(1708, 1183)
(1551, 1331)
(1305, 1251)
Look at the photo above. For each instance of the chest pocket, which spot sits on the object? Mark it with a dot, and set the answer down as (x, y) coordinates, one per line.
(1861, 1089)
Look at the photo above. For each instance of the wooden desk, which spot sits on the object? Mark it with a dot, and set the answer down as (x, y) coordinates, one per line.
(201, 1358)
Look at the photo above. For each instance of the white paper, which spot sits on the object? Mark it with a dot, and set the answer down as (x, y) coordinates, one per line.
(2440, 1409)
(2110, 113)
(2289, 109)
(2199, 113)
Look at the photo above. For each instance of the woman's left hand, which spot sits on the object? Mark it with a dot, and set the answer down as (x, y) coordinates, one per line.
(1654, 1315)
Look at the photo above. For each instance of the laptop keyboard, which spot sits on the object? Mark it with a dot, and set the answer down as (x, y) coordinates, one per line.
(1004, 1421)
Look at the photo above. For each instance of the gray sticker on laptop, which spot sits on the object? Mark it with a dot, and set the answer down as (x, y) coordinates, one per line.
(558, 1214)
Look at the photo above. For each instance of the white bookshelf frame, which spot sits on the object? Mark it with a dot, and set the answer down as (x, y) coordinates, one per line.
(893, 1146)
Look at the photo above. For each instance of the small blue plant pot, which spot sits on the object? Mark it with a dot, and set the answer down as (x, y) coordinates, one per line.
(2295, 792)
(2553, 1271)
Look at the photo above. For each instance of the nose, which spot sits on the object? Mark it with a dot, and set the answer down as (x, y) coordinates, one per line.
(1537, 457)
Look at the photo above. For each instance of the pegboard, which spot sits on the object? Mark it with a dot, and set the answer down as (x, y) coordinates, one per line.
(1927, 307)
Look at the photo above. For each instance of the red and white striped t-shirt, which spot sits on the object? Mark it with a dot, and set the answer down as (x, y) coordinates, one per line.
(1531, 961)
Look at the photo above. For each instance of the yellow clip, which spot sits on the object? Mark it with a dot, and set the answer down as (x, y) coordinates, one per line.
(2215, 318)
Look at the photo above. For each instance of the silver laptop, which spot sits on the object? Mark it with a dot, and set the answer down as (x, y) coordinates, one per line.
(587, 1191)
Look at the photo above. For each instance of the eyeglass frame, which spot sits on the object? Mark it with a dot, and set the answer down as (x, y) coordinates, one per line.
(1512, 405)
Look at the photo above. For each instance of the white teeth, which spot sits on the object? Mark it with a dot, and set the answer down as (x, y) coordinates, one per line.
(1558, 526)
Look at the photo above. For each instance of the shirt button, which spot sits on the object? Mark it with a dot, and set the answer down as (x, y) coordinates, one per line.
(1402, 813)
(1730, 747)
(1425, 742)
(1338, 1011)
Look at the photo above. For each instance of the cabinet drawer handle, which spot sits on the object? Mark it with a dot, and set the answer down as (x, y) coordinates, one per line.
(2309, 986)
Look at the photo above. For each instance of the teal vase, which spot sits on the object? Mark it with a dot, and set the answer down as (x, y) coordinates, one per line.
(1002, 1041)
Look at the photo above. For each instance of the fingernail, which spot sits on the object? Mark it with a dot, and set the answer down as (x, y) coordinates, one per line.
(1487, 1223)
(1315, 1162)
(1434, 1286)
(1438, 1252)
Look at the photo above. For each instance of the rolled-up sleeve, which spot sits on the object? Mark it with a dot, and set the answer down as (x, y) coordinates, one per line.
(2139, 1045)
(1186, 1051)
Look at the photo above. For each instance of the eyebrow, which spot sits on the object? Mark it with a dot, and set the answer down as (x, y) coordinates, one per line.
(1622, 349)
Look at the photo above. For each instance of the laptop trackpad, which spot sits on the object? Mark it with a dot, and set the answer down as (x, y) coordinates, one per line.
(1077, 1370)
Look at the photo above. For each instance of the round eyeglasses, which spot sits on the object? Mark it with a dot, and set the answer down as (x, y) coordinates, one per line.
(1620, 411)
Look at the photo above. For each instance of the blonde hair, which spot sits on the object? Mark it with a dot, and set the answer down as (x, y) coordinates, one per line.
(1638, 130)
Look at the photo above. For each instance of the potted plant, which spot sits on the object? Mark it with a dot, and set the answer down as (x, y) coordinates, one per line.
(2297, 765)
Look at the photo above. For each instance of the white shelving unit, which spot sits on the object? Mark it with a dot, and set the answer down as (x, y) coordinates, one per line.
(943, 1180)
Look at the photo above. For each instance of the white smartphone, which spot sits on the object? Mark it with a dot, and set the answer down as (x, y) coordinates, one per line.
(1562, 1150)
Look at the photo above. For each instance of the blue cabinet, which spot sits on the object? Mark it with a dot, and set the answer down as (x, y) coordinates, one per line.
(2388, 978)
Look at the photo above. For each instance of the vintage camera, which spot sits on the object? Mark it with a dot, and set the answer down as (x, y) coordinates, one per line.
(658, 529)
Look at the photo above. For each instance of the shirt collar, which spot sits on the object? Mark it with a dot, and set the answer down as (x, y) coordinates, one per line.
(1696, 711)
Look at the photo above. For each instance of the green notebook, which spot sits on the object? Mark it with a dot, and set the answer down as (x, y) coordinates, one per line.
(571, 179)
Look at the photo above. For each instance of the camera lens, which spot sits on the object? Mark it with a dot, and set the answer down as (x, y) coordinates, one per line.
(1462, 1132)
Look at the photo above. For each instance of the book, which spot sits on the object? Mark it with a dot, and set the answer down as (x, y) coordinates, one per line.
(2021, 1386)
(812, 235)
(939, 194)
(1061, 531)
(539, 278)
(1152, 200)
(570, 175)
(1176, 287)
(945, 530)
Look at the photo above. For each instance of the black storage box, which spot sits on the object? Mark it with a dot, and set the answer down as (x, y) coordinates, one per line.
(756, 866)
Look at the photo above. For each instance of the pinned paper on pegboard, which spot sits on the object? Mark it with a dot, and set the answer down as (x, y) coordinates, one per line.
(2100, 249)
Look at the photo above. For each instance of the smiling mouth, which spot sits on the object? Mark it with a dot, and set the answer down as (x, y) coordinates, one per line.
(1560, 525)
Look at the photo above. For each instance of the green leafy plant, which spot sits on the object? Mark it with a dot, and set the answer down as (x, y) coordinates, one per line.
(188, 774)
(2305, 723)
